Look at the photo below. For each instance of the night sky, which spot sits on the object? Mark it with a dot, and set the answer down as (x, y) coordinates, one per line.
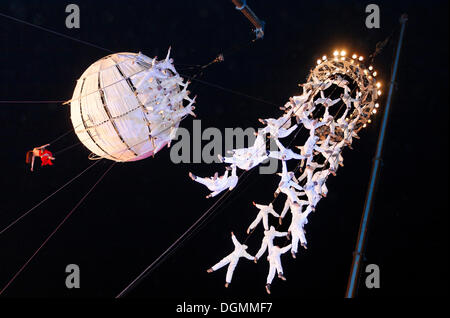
(140, 208)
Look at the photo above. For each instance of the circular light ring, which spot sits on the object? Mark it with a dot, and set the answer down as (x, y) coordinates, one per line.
(361, 76)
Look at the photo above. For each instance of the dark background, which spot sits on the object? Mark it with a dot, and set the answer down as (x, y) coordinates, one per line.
(140, 208)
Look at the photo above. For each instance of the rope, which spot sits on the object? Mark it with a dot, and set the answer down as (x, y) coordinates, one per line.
(55, 230)
(48, 197)
(63, 135)
(63, 186)
(160, 258)
(194, 228)
(67, 148)
(54, 32)
(382, 44)
(230, 91)
(64, 220)
(31, 101)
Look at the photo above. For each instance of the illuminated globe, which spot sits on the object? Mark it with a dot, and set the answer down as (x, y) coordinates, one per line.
(125, 106)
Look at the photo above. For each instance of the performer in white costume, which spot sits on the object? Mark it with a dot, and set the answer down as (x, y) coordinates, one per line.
(299, 219)
(275, 264)
(217, 185)
(288, 205)
(267, 241)
(263, 214)
(278, 128)
(284, 153)
(232, 260)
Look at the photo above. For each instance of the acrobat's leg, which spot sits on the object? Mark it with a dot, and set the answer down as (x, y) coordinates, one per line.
(295, 240)
(32, 162)
(213, 194)
(255, 222)
(230, 160)
(297, 156)
(205, 181)
(271, 274)
(230, 272)
(282, 133)
(265, 220)
(275, 155)
(324, 189)
(262, 249)
(224, 261)
(285, 208)
(280, 269)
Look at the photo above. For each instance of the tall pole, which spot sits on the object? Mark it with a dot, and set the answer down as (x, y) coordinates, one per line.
(357, 254)
(242, 6)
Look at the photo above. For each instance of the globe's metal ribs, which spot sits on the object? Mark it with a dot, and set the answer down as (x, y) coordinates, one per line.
(153, 87)
(84, 125)
(141, 106)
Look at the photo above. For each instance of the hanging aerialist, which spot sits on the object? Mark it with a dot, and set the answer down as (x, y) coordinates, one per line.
(232, 260)
(267, 241)
(218, 184)
(275, 264)
(45, 155)
(296, 229)
(263, 215)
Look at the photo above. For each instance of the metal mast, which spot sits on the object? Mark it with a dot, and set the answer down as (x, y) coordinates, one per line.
(242, 6)
(357, 254)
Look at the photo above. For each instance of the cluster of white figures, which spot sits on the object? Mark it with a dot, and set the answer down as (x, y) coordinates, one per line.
(332, 124)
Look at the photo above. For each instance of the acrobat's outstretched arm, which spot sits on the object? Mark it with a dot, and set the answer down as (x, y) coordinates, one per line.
(307, 211)
(32, 162)
(280, 234)
(285, 249)
(248, 256)
(297, 186)
(260, 206)
(275, 214)
(43, 146)
(280, 145)
(284, 171)
(234, 239)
